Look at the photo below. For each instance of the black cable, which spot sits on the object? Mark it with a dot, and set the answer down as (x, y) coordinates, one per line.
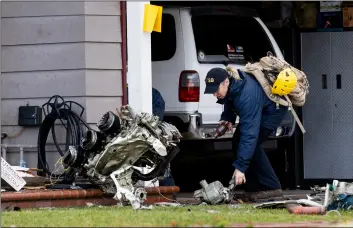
(60, 110)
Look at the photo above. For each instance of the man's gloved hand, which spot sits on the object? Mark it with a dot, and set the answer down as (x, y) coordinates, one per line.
(239, 177)
(231, 188)
(232, 184)
(229, 125)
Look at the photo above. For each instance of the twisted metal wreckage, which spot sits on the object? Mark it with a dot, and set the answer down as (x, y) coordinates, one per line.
(116, 156)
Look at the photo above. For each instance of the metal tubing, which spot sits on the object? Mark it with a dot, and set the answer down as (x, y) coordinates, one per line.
(21, 153)
(21, 146)
(3, 151)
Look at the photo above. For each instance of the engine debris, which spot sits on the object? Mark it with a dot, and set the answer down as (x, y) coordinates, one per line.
(213, 193)
(114, 156)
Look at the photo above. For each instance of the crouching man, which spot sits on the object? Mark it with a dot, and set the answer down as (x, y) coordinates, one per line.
(242, 95)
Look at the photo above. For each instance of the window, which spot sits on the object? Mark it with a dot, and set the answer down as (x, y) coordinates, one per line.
(227, 38)
(163, 45)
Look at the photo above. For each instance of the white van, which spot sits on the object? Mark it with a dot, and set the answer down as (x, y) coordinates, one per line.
(194, 40)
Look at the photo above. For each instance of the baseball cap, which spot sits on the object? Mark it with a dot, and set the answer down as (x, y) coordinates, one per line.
(214, 78)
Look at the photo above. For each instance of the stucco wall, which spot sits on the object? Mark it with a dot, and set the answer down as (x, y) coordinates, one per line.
(72, 49)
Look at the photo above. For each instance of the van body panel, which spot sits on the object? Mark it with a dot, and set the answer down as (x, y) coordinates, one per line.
(202, 43)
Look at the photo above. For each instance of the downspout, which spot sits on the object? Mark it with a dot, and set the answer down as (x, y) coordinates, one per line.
(123, 52)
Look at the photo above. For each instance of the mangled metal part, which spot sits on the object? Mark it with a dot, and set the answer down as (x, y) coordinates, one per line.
(317, 189)
(135, 196)
(283, 203)
(213, 193)
(125, 144)
(339, 196)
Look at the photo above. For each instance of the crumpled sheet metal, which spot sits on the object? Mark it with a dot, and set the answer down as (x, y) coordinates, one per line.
(301, 206)
(283, 203)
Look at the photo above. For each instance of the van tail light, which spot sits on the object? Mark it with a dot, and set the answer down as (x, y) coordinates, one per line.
(189, 86)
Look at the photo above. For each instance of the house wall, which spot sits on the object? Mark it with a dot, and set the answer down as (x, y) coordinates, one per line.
(71, 49)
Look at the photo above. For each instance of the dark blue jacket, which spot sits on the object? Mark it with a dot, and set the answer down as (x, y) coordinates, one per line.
(256, 111)
(158, 104)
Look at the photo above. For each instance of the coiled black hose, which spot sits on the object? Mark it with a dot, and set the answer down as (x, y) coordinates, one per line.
(60, 110)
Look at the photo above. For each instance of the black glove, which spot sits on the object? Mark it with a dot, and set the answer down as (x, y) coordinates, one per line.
(232, 184)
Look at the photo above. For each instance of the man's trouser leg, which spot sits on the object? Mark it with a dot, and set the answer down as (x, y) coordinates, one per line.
(168, 180)
(260, 175)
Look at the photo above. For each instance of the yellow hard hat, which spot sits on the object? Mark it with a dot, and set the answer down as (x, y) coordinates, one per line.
(285, 82)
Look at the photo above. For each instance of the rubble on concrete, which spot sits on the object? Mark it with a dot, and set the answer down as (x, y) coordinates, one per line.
(338, 196)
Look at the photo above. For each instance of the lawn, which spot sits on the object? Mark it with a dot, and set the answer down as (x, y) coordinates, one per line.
(158, 216)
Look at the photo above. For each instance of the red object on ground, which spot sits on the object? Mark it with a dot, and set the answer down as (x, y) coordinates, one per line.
(300, 210)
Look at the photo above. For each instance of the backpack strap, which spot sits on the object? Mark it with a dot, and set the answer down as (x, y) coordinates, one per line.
(295, 115)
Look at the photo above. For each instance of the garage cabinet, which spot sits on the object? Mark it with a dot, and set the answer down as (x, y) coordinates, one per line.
(327, 59)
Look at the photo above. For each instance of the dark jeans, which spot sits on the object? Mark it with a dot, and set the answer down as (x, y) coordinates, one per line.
(168, 180)
(260, 175)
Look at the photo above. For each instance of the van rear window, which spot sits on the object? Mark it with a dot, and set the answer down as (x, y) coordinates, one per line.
(224, 38)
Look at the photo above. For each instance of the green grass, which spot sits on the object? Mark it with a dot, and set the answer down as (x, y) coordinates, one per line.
(158, 216)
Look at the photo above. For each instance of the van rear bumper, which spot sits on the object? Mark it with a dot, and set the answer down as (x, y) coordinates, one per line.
(191, 127)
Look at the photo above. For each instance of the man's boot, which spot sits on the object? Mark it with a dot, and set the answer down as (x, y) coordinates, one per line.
(264, 196)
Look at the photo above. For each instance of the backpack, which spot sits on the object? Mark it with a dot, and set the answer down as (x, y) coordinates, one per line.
(266, 70)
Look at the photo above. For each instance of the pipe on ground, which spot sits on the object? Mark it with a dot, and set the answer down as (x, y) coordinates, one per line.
(300, 210)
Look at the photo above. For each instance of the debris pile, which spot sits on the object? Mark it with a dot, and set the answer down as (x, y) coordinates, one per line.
(337, 196)
(127, 148)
